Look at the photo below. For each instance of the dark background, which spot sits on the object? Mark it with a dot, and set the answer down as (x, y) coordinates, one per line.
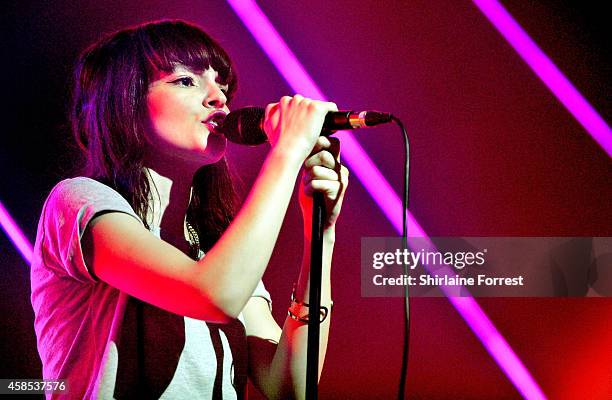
(494, 154)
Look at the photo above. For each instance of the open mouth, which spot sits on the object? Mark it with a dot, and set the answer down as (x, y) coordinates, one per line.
(214, 120)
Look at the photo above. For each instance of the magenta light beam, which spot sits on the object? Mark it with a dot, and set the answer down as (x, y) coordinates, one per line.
(298, 79)
(377, 186)
(548, 72)
(14, 233)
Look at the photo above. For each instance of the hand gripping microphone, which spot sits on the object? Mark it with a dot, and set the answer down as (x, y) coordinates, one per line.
(245, 125)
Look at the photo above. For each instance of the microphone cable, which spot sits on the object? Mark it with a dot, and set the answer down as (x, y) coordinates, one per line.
(406, 322)
(244, 127)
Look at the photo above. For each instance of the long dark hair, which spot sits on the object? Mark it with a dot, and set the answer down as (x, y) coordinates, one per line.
(109, 109)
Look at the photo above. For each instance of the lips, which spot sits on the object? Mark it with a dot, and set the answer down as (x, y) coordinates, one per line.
(214, 120)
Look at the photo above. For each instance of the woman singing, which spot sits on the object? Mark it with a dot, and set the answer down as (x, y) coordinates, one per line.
(146, 279)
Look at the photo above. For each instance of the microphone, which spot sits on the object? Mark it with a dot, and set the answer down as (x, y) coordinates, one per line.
(245, 125)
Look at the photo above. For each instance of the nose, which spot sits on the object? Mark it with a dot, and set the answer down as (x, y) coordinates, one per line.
(215, 98)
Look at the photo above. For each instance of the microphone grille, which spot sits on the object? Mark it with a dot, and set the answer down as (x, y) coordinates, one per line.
(243, 126)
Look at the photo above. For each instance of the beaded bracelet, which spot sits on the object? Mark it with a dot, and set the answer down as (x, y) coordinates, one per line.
(294, 310)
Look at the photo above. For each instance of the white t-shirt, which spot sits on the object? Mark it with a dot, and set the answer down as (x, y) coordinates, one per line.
(107, 344)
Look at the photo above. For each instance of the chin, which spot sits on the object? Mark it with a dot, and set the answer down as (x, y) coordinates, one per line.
(214, 159)
(215, 150)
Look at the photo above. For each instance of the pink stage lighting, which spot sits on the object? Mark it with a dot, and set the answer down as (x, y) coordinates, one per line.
(377, 186)
(14, 233)
(548, 72)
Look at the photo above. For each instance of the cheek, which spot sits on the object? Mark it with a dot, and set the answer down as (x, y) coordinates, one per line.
(166, 116)
(160, 109)
(155, 105)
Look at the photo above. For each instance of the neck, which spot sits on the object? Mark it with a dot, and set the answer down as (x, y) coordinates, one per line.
(169, 198)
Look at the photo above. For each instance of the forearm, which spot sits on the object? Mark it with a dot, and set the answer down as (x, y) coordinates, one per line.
(288, 368)
(232, 268)
(293, 126)
(302, 289)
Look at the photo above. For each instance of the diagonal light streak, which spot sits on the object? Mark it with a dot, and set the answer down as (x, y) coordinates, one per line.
(377, 186)
(300, 81)
(15, 234)
(548, 72)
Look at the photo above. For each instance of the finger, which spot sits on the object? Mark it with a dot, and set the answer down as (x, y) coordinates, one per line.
(331, 106)
(329, 188)
(285, 102)
(270, 108)
(344, 175)
(319, 173)
(324, 158)
(322, 143)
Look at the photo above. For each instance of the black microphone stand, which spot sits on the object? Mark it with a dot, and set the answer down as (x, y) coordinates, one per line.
(314, 300)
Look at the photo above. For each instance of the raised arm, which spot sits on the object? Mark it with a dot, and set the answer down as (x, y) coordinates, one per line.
(125, 255)
(277, 358)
